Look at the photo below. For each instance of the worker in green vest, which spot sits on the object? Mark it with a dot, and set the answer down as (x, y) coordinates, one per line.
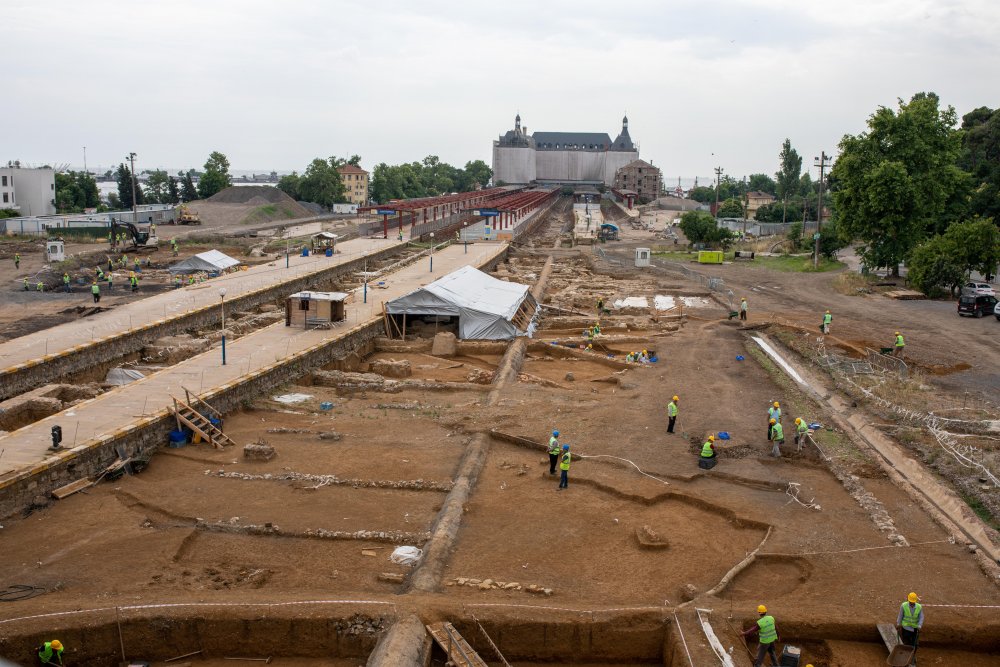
(827, 319)
(25, 284)
(910, 620)
(66, 282)
(743, 309)
(177, 281)
(900, 344)
(564, 461)
(773, 415)
(672, 413)
(95, 290)
(708, 449)
(110, 280)
(173, 246)
(40, 287)
(50, 653)
(767, 636)
(801, 429)
(553, 452)
(777, 438)
(17, 260)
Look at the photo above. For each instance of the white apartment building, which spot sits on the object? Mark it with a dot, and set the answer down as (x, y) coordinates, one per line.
(28, 191)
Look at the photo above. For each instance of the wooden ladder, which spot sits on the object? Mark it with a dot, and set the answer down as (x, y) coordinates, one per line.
(460, 653)
(199, 423)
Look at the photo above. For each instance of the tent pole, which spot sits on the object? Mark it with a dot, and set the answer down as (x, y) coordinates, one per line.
(404, 327)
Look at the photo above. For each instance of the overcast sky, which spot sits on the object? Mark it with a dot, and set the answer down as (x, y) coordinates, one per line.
(275, 84)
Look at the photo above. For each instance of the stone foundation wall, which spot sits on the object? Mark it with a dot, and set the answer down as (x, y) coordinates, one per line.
(24, 377)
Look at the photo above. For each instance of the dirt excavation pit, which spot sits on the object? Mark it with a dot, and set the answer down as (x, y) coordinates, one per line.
(289, 556)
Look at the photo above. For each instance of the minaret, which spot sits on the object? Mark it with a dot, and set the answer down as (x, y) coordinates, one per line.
(624, 124)
(517, 123)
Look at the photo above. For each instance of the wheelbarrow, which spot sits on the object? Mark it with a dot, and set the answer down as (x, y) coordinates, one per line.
(733, 313)
(886, 350)
(901, 655)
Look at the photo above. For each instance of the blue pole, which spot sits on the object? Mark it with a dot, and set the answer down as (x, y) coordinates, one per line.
(432, 260)
(366, 292)
(223, 349)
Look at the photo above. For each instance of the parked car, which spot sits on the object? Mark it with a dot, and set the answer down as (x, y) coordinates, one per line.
(978, 288)
(996, 311)
(977, 305)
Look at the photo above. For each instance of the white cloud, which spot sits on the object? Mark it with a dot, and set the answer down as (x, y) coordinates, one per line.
(275, 84)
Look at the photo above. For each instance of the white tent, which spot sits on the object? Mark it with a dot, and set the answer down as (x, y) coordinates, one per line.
(213, 260)
(487, 308)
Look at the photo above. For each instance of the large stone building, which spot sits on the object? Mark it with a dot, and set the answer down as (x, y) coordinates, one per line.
(355, 183)
(28, 191)
(640, 177)
(584, 158)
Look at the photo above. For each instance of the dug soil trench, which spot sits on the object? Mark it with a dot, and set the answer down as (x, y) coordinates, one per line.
(210, 551)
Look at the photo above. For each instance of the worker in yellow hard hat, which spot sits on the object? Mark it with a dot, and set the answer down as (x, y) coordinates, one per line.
(898, 345)
(777, 438)
(827, 320)
(773, 415)
(50, 653)
(801, 429)
(708, 449)
(672, 414)
(743, 309)
(910, 620)
(767, 636)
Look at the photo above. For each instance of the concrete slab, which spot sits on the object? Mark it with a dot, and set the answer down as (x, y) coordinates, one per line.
(130, 406)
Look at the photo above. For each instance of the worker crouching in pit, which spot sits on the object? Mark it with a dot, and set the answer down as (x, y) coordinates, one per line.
(707, 457)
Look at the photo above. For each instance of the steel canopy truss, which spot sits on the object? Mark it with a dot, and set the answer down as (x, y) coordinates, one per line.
(444, 205)
(514, 206)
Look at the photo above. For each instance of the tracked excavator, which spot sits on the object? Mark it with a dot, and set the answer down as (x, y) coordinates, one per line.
(140, 240)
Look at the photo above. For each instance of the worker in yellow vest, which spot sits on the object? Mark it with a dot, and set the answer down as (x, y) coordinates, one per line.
(17, 260)
(899, 345)
(910, 620)
(553, 452)
(827, 320)
(564, 460)
(672, 413)
(40, 287)
(767, 636)
(66, 282)
(777, 438)
(773, 415)
(50, 653)
(25, 284)
(708, 449)
(801, 429)
(95, 289)
(743, 309)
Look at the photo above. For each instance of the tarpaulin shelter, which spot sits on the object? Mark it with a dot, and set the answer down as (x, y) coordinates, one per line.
(486, 308)
(210, 261)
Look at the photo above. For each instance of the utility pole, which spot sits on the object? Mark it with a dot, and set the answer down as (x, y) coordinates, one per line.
(822, 161)
(135, 215)
(85, 159)
(746, 205)
(718, 181)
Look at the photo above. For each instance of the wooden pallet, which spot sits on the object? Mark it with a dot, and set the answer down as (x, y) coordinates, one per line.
(460, 653)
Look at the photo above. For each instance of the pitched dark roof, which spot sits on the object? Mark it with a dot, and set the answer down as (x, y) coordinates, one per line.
(584, 140)
(623, 142)
(638, 163)
(351, 169)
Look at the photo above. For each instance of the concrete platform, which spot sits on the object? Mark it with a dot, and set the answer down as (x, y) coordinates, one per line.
(121, 410)
(176, 303)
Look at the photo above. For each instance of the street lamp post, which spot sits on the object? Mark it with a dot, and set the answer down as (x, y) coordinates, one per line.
(222, 296)
(432, 252)
(465, 225)
(135, 216)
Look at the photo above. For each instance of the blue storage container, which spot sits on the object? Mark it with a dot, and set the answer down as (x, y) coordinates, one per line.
(329, 252)
(177, 439)
(305, 252)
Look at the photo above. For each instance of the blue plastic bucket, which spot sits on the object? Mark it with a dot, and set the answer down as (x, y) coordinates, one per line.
(329, 252)
(177, 439)
(305, 252)
(326, 406)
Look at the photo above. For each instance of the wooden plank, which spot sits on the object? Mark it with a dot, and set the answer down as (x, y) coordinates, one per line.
(71, 488)
(889, 636)
(190, 424)
(459, 651)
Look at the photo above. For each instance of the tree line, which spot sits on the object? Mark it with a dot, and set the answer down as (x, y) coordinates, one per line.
(428, 178)
(918, 188)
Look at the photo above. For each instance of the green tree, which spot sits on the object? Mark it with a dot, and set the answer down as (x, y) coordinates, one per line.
(731, 208)
(76, 191)
(114, 203)
(289, 184)
(173, 194)
(933, 264)
(188, 190)
(831, 240)
(123, 175)
(701, 227)
(976, 245)
(795, 234)
(762, 183)
(769, 213)
(9, 213)
(321, 183)
(788, 179)
(216, 177)
(478, 173)
(702, 194)
(355, 160)
(892, 181)
(157, 190)
(981, 158)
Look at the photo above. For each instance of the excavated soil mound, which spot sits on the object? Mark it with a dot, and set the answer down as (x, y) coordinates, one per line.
(249, 194)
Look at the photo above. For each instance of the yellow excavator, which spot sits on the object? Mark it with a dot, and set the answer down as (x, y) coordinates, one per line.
(185, 216)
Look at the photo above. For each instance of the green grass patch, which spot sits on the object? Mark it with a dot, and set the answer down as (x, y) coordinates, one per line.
(791, 264)
(981, 511)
